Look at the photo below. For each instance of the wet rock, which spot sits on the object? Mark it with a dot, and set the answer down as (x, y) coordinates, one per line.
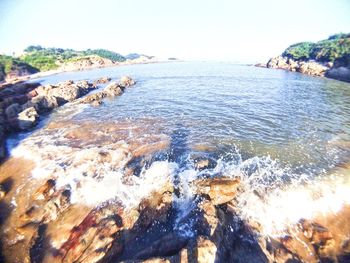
(12, 111)
(42, 103)
(93, 237)
(113, 89)
(46, 190)
(167, 245)
(102, 80)
(48, 211)
(202, 164)
(127, 81)
(206, 250)
(209, 219)
(94, 99)
(66, 92)
(2, 192)
(220, 190)
(27, 119)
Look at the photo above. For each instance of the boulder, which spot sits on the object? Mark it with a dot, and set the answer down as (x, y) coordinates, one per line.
(220, 190)
(113, 89)
(102, 80)
(126, 81)
(65, 93)
(27, 119)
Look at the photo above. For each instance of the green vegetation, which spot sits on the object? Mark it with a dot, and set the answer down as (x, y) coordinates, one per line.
(105, 54)
(50, 58)
(328, 50)
(10, 65)
(38, 58)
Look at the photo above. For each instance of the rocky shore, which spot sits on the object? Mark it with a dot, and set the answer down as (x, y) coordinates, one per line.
(328, 57)
(48, 227)
(22, 104)
(339, 70)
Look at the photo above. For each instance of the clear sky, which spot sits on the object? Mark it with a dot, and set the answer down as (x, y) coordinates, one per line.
(241, 31)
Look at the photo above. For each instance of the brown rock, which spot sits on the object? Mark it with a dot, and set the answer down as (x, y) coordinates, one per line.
(206, 250)
(2, 192)
(46, 190)
(102, 80)
(126, 81)
(113, 89)
(27, 118)
(220, 190)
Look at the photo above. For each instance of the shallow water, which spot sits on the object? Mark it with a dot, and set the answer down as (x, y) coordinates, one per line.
(283, 133)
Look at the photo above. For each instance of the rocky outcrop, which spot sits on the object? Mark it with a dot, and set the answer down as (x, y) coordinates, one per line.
(339, 70)
(309, 67)
(87, 62)
(111, 90)
(21, 104)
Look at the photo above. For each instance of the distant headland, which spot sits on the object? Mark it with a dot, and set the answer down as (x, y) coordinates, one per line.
(329, 57)
(38, 59)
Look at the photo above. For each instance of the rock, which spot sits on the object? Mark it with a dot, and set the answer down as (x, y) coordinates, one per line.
(312, 68)
(126, 81)
(220, 190)
(339, 73)
(278, 63)
(65, 93)
(12, 111)
(113, 89)
(83, 63)
(2, 192)
(210, 219)
(102, 80)
(206, 250)
(169, 244)
(306, 67)
(27, 119)
(42, 104)
(202, 164)
(45, 191)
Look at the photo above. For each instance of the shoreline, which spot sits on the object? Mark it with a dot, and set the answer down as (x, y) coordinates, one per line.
(22, 104)
(42, 74)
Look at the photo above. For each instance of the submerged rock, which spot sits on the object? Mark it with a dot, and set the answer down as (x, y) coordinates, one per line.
(102, 80)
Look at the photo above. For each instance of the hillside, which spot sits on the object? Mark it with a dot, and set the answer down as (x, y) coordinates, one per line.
(51, 58)
(36, 58)
(13, 67)
(327, 50)
(329, 57)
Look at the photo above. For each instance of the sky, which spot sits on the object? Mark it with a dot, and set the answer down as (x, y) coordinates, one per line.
(221, 30)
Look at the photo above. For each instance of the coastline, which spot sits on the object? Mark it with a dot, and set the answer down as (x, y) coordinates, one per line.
(22, 103)
(21, 79)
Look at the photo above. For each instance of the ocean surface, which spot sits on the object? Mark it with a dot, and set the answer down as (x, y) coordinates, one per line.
(282, 133)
